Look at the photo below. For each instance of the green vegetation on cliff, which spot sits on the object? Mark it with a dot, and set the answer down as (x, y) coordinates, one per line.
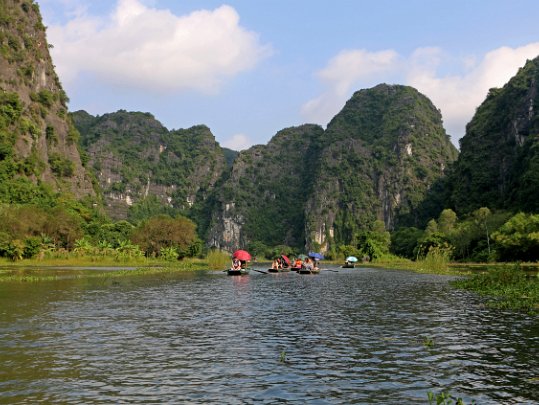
(499, 161)
(38, 143)
(145, 169)
(379, 157)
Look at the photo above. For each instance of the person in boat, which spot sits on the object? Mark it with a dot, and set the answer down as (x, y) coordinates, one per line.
(307, 264)
(315, 265)
(275, 264)
(236, 264)
(298, 263)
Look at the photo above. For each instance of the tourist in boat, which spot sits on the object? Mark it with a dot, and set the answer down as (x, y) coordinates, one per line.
(236, 264)
(307, 264)
(298, 263)
(276, 264)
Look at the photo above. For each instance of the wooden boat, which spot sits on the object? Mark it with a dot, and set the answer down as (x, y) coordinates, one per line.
(283, 270)
(348, 266)
(308, 271)
(239, 272)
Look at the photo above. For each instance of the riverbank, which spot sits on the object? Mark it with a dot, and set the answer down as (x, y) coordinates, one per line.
(34, 270)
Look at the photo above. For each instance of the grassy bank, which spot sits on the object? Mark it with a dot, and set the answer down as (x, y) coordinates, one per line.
(76, 267)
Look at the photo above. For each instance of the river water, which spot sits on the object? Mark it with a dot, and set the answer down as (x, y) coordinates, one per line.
(340, 337)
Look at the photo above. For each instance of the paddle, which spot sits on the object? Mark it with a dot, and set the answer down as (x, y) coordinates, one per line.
(335, 271)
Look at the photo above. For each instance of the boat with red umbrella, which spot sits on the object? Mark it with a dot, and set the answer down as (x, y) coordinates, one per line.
(243, 256)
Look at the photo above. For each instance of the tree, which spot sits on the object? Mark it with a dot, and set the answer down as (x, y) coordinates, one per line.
(447, 221)
(164, 231)
(481, 217)
(374, 243)
(432, 227)
(518, 238)
(404, 241)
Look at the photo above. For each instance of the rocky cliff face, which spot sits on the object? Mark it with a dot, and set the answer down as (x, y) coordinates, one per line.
(134, 157)
(376, 160)
(38, 142)
(499, 162)
(264, 197)
(379, 157)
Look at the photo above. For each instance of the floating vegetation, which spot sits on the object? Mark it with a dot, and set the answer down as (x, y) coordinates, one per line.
(506, 288)
(282, 357)
(428, 342)
(445, 398)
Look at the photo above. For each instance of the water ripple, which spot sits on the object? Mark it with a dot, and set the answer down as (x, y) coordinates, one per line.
(358, 336)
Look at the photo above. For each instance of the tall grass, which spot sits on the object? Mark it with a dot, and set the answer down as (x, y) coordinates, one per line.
(435, 261)
(218, 260)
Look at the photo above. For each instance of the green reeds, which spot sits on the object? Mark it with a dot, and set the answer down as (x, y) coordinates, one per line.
(218, 260)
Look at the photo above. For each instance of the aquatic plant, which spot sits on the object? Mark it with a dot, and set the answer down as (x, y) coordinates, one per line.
(428, 342)
(506, 287)
(282, 357)
(445, 398)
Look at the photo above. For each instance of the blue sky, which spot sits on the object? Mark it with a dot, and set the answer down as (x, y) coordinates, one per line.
(249, 68)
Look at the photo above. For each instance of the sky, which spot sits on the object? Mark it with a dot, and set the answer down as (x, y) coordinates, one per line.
(249, 68)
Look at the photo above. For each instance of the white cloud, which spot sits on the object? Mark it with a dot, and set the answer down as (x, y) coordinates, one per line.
(155, 50)
(457, 94)
(238, 142)
(341, 74)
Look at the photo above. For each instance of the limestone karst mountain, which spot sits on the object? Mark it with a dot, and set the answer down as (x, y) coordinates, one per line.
(499, 162)
(376, 160)
(38, 142)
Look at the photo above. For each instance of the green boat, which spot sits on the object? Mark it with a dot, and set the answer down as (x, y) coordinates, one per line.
(240, 272)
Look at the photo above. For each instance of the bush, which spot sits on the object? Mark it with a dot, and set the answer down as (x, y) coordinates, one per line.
(164, 231)
(61, 166)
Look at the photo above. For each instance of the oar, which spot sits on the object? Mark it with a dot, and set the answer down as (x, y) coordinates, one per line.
(335, 271)
(260, 271)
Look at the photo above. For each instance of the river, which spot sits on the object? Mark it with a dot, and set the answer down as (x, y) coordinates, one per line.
(341, 337)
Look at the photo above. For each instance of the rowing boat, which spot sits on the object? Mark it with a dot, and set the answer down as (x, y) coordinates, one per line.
(239, 272)
(308, 271)
(279, 270)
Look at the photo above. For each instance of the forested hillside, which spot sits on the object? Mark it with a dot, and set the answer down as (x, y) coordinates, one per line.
(375, 161)
(38, 142)
(499, 161)
(144, 169)
(380, 155)
(264, 198)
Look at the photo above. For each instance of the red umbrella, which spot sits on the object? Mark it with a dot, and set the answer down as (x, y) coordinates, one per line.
(286, 259)
(241, 255)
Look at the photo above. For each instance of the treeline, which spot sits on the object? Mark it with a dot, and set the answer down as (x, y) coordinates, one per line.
(482, 236)
(69, 227)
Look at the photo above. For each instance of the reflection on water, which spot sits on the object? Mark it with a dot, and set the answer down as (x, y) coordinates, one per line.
(356, 336)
